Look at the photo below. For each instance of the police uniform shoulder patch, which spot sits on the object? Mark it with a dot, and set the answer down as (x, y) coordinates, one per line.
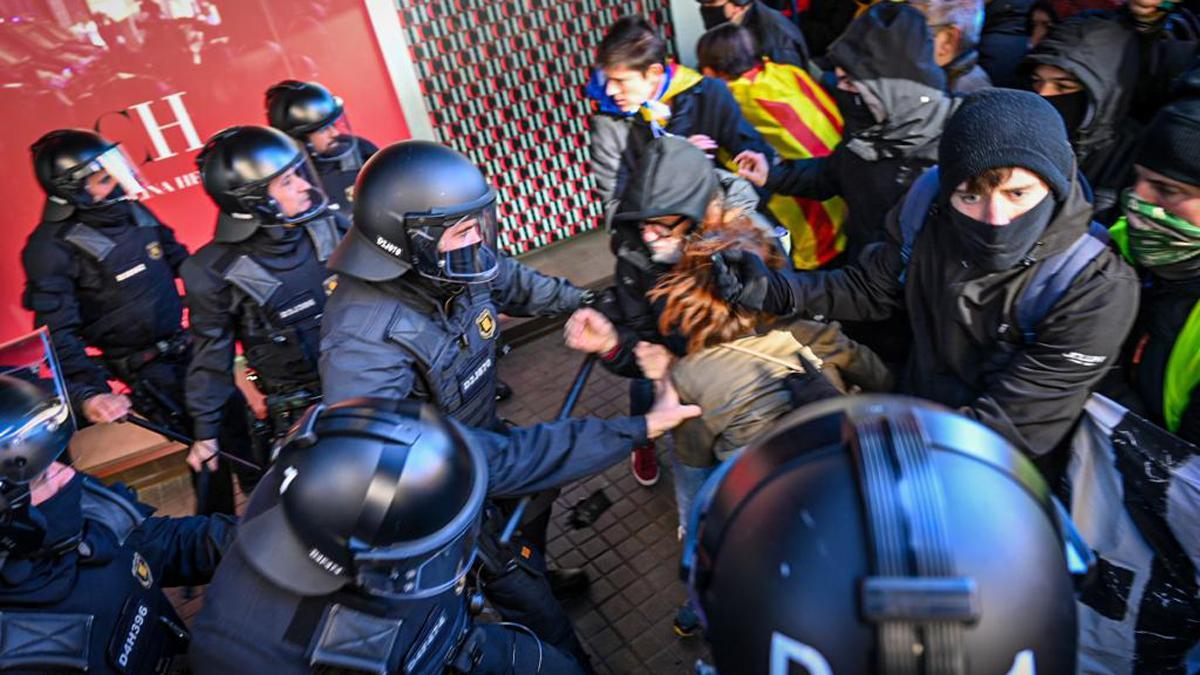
(486, 323)
(154, 250)
(141, 571)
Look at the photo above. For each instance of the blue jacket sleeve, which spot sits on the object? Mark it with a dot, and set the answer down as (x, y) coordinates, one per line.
(521, 291)
(530, 459)
(185, 550)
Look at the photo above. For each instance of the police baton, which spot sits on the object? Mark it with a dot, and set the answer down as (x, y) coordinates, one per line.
(573, 394)
(171, 434)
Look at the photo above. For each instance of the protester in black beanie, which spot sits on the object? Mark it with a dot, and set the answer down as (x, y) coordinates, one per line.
(1160, 233)
(970, 256)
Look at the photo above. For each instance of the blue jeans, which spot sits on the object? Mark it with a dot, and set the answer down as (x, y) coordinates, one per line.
(641, 396)
(688, 481)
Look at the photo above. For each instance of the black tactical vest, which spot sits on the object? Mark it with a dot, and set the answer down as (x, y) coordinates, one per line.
(112, 617)
(126, 289)
(337, 177)
(282, 299)
(455, 351)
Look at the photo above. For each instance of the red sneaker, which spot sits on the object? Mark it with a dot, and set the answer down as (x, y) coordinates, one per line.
(645, 464)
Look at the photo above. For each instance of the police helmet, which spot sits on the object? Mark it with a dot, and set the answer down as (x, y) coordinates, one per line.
(421, 206)
(383, 495)
(300, 109)
(237, 166)
(35, 427)
(66, 161)
(882, 534)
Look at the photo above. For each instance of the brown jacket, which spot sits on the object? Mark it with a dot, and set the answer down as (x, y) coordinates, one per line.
(743, 393)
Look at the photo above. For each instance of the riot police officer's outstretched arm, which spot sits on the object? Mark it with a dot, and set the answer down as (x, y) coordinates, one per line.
(521, 291)
(50, 272)
(186, 550)
(530, 459)
(210, 373)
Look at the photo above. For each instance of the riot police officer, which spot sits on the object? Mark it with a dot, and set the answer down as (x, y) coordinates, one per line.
(261, 281)
(415, 315)
(882, 534)
(356, 549)
(309, 113)
(421, 287)
(82, 565)
(100, 272)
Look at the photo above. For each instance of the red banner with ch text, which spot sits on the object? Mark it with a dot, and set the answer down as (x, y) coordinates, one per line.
(160, 77)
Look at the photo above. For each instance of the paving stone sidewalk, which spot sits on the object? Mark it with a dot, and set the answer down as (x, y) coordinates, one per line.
(631, 552)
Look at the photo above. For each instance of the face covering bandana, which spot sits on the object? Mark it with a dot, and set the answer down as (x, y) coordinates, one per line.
(712, 16)
(855, 113)
(1161, 241)
(1072, 107)
(107, 215)
(995, 248)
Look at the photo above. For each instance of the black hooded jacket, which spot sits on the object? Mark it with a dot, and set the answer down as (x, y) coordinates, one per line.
(1102, 53)
(669, 181)
(1166, 307)
(888, 53)
(967, 352)
(777, 37)
(1004, 40)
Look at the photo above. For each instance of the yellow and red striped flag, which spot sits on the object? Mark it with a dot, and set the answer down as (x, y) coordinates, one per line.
(800, 121)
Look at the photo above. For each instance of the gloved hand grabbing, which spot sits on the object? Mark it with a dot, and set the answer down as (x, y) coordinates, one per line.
(743, 279)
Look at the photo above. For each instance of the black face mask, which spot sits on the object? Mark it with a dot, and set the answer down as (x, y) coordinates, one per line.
(997, 248)
(278, 240)
(855, 113)
(108, 215)
(712, 16)
(1072, 107)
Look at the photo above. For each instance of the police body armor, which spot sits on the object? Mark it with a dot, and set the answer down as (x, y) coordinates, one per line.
(70, 623)
(127, 294)
(455, 351)
(281, 336)
(338, 176)
(412, 637)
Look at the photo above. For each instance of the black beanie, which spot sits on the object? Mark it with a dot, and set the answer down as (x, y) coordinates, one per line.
(1172, 143)
(996, 128)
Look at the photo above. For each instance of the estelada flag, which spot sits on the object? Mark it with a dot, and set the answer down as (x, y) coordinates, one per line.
(800, 121)
(1135, 498)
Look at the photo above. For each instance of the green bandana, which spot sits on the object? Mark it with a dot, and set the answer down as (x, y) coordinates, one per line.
(1161, 241)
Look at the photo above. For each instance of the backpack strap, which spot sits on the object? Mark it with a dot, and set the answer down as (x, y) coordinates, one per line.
(914, 211)
(803, 353)
(1054, 276)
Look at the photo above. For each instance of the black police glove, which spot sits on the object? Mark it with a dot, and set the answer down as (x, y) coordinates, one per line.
(810, 386)
(744, 279)
(588, 298)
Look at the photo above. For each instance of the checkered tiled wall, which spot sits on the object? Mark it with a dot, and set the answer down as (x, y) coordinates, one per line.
(503, 81)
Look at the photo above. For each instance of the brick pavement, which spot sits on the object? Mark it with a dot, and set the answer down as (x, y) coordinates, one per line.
(631, 552)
